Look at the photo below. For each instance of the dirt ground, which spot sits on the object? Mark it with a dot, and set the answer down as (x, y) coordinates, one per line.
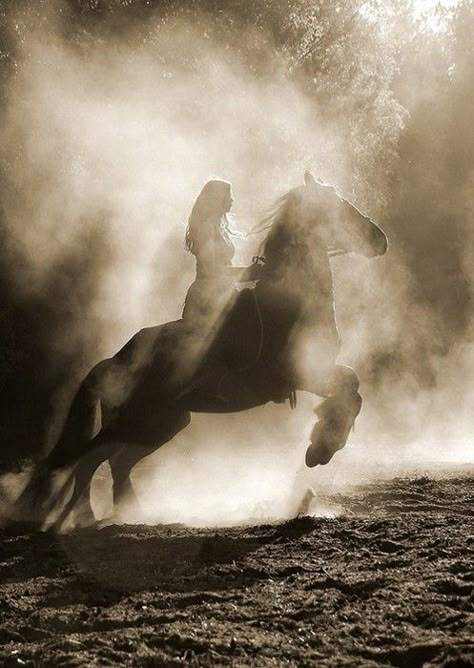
(389, 581)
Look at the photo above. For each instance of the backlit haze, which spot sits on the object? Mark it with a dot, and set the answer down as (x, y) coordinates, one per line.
(109, 136)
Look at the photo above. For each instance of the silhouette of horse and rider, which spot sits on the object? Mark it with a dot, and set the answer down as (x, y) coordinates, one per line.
(231, 350)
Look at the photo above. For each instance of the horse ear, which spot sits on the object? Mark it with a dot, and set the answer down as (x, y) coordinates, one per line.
(309, 179)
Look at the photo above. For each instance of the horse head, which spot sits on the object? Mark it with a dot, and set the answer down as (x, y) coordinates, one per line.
(337, 223)
(310, 223)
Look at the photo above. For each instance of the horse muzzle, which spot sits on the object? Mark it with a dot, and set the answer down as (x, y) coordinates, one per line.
(378, 245)
(382, 244)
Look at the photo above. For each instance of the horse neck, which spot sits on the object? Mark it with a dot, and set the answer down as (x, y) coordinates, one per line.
(316, 284)
(304, 276)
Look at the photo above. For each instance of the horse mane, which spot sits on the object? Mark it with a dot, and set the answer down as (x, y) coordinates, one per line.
(276, 217)
(296, 265)
(282, 238)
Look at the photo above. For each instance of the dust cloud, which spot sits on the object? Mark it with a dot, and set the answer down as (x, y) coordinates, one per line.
(113, 139)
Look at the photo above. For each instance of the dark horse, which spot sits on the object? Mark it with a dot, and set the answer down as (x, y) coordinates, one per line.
(276, 338)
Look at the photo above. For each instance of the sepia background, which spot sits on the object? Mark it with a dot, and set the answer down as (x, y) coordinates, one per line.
(113, 115)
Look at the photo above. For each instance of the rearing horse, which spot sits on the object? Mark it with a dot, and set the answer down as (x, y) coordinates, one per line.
(274, 339)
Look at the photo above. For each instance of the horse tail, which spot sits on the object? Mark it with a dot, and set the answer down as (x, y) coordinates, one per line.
(38, 497)
(80, 424)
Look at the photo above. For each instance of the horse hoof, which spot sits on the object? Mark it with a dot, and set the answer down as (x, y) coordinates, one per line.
(82, 518)
(17, 527)
(317, 455)
(323, 445)
(85, 522)
(111, 520)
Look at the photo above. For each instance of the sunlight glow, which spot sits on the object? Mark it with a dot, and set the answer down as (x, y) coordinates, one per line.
(426, 11)
(425, 6)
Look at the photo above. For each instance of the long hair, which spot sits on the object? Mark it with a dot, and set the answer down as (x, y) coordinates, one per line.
(209, 208)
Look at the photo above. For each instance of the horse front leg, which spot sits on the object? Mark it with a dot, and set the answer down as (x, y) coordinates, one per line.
(336, 415)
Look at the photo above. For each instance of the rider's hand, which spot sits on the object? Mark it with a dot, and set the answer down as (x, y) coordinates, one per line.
(256, 271)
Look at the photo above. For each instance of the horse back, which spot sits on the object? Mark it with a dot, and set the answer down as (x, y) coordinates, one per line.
(141, 350)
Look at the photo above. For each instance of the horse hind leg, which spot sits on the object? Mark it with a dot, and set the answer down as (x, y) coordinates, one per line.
(122, 457)
(77, 434)
(336, 415)
(80, 425)
(80, 497)
(126, 504)
(82, 512)
(42, 492)
(82, 477)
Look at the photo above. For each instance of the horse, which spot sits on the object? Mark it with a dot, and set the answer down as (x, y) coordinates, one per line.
(274, 339)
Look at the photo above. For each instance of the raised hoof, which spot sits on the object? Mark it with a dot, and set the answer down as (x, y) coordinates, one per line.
(326, 440)
(330, 433)
(317, 455)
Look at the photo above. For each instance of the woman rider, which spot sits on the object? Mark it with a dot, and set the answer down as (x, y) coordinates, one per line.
(208, 238)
